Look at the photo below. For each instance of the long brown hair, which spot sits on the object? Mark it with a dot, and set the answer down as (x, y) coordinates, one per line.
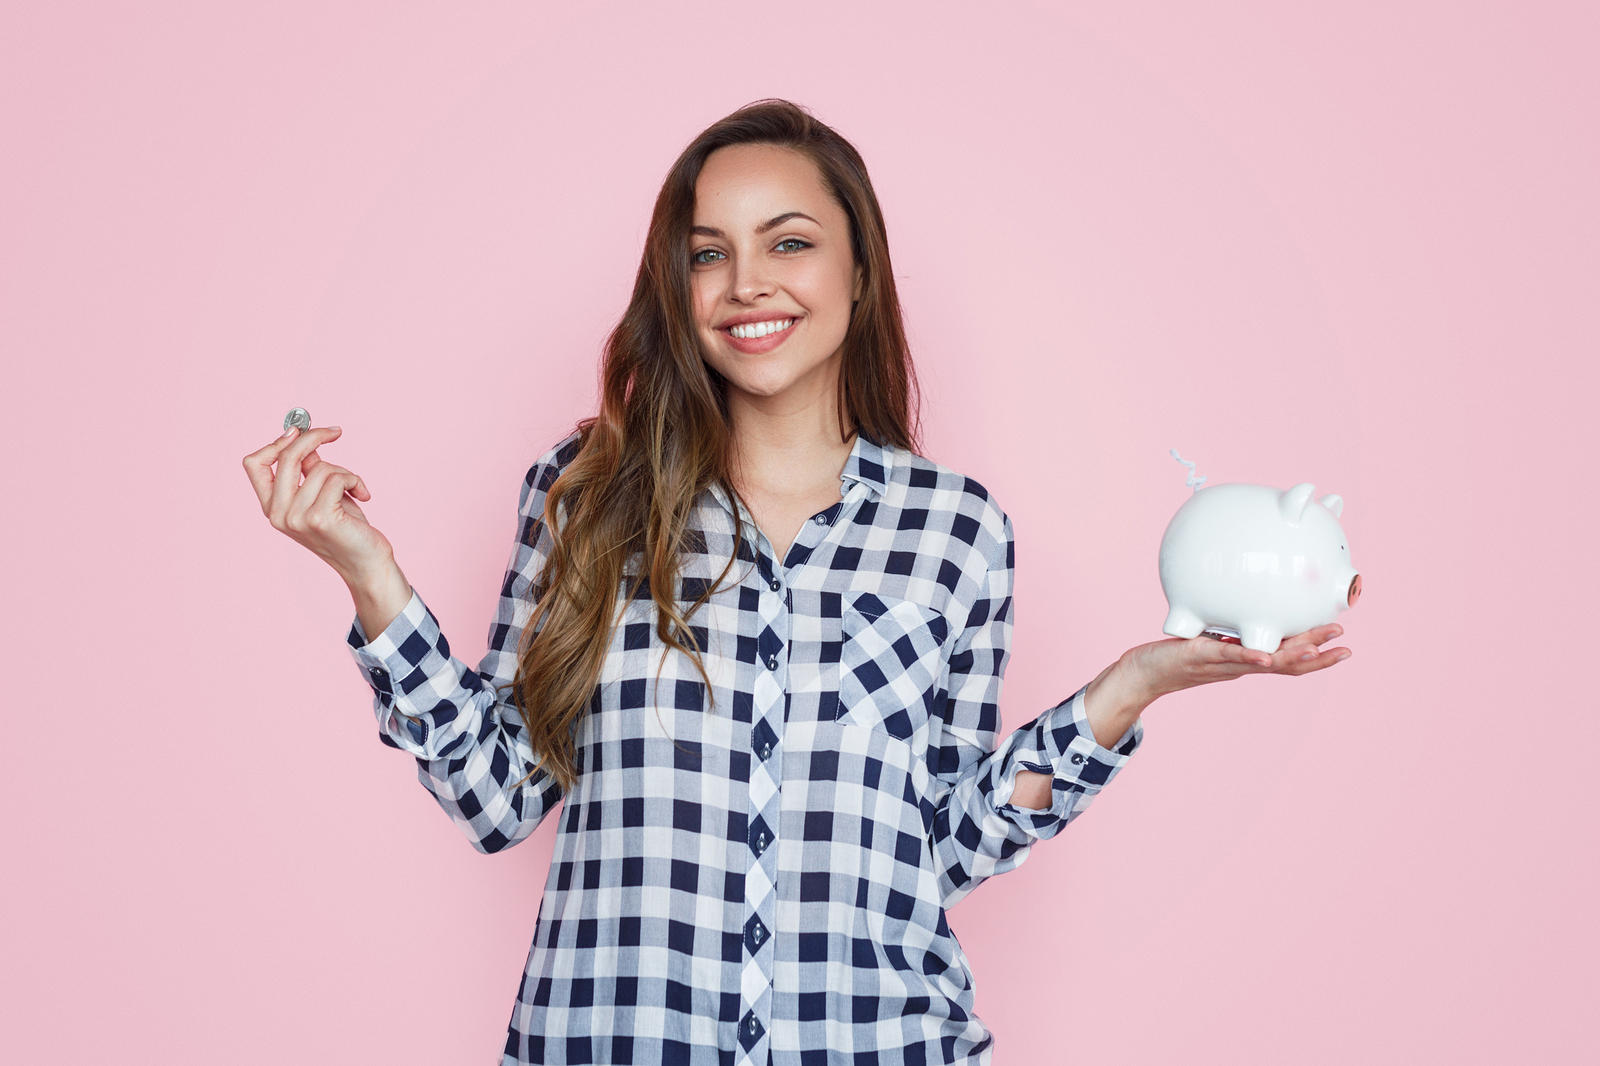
(663, 433)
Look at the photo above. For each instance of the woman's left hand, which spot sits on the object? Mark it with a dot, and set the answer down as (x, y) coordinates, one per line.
(1125, 688)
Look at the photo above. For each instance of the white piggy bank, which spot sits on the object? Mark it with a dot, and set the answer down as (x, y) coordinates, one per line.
(1256, 562)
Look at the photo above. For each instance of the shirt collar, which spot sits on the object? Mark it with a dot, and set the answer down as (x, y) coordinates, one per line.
(869, 464)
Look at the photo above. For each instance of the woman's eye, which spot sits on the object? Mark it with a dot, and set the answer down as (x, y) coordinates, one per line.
(705, 255)
(792, 244)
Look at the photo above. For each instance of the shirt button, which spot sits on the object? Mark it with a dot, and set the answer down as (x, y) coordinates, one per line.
(1077, 760)
(376, 673)
(775, 584)
(766, 752)
(821, 520)
(772, 662)
(761, 842)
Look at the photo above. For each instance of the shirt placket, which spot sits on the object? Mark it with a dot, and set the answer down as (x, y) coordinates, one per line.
(774, 607)
(766, 774)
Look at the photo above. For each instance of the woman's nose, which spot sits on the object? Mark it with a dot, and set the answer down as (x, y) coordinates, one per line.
(751, 279)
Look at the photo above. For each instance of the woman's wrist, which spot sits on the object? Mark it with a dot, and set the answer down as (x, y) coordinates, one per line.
(379, 595)
(1115, 700)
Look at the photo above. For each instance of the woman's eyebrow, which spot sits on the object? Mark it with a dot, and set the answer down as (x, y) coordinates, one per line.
(772, 223)
(781, 219)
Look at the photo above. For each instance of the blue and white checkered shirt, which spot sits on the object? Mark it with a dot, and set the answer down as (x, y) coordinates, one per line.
(759, 873)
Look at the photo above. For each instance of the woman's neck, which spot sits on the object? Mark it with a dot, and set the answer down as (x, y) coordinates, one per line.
(788, 453)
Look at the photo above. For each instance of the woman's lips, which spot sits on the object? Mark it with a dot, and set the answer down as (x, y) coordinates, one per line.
(757, 345)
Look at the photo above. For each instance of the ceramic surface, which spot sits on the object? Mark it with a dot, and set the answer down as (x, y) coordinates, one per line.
(1256, 562)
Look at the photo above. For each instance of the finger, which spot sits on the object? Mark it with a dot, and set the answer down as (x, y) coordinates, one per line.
(258, 467)
(290, 460)
(335, 485)
(358, 488)
(1331, 657)
(312, 458)
(1313, 637)
(297, 517)
(1307, 649)
(358, 491)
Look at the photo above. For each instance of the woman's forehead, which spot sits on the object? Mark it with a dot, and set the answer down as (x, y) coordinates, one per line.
(743, 186)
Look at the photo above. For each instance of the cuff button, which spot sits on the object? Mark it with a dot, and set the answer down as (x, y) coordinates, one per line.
(1077, 760)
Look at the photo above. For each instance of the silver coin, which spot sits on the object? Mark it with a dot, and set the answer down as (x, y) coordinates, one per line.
(299, 416)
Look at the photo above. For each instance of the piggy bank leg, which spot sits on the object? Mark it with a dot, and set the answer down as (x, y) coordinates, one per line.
(1260, 638)
(1182, 622)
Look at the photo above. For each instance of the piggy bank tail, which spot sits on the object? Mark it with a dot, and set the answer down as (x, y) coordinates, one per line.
(1191, 481)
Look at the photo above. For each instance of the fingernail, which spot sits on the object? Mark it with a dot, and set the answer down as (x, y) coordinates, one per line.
(336, 429)
(1308, 655)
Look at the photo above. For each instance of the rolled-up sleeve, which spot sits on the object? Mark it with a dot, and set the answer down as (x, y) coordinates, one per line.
(977, 832)
(462, 725)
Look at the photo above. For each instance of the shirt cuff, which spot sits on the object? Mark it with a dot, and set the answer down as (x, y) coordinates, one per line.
(412, 677)
(1062, 745)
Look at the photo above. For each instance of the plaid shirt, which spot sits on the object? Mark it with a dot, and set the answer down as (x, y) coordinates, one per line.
(759, 873)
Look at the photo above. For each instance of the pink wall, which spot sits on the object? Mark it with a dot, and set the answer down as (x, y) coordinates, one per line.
(1357, 247)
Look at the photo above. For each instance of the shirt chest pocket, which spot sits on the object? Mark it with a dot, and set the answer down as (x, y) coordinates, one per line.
(890, 661)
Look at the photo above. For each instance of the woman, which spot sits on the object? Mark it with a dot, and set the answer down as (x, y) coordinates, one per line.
(770, 641)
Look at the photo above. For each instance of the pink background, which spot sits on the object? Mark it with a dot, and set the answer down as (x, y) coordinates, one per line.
(1357, 247)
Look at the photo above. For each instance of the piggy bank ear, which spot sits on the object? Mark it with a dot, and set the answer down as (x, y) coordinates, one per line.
(1292, 503)
(1333, 503)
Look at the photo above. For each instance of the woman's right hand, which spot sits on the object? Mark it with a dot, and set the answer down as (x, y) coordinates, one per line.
(322, 513)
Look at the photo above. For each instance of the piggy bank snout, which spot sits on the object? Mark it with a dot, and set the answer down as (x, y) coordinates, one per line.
(1355, 590)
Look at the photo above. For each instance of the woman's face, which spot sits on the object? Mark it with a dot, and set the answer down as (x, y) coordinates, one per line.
(771, 272)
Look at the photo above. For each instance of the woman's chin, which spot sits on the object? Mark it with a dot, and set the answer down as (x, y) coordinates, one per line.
(762, 387)
(764, 378)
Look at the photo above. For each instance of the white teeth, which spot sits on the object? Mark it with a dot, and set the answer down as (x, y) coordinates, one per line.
(760, 329)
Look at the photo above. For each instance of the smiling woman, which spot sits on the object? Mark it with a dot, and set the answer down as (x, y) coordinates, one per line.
(762, 282)
(775, 281)
(754, 643)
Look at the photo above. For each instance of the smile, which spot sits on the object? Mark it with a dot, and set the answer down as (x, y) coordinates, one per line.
(753, 330)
